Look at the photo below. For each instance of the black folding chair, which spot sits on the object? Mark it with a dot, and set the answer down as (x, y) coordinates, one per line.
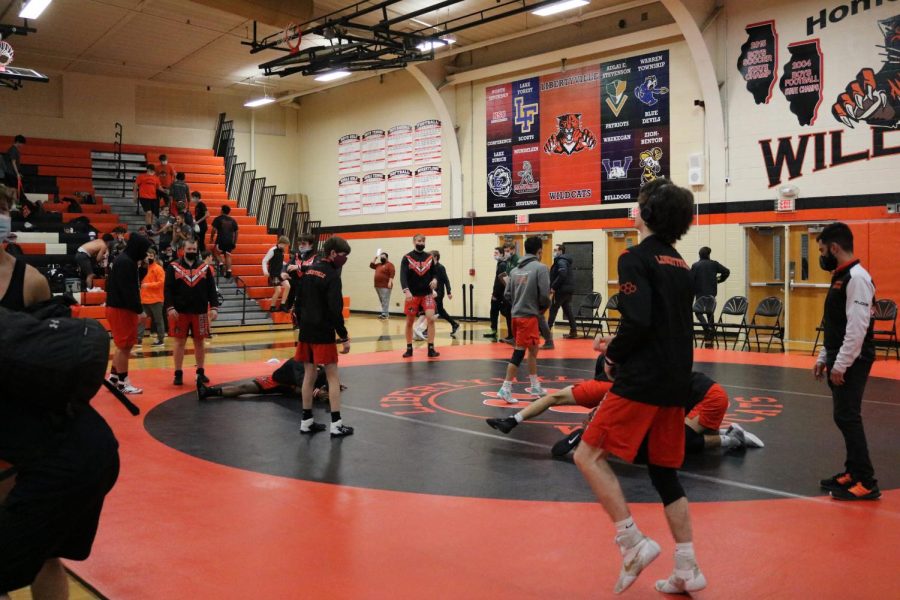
(736, 306)
(611, 304)
(885, 310)
(820, 330)
(768, 308)
(705, 305)
(587, 317)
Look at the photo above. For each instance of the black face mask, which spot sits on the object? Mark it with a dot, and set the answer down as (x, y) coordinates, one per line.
(383, 260)
(420, 247)
(191, 256)
(828, 262)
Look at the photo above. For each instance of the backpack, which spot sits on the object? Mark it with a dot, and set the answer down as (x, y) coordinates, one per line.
(53, 362)
(276, 263)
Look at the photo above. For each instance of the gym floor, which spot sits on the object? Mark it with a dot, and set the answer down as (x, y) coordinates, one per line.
(226, 500)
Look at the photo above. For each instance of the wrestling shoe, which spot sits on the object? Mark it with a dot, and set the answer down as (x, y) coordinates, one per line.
(339, 430)
(506, 395)
(432, 353)
(750, 440)
(454, 330)
(841, 481)
(204, 393)
(548, 346)
(683, 581)
(309, 427)
(567, 444)
(858, 491)
(202, 378)
(419, 335)
(504, 425)
(537, 390)
(126, 388)
(634, 560)
(492, 334)
(178, 379)
(408, 353)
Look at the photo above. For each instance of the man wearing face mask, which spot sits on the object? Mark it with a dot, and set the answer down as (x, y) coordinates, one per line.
(321, 324)
(497, 292)
(123, 308)
(384, 281)
(846, 358)
(152, 298)
(303, 259)
(191, 303)
(417, 277)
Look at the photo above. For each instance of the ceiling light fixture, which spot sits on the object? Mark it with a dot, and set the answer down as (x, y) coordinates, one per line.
(429, 45)
(261, 101)
(559, 7)
(332, 76)
(32, 9)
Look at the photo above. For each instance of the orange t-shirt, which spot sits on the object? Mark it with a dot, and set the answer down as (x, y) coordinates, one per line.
(147, 185)
(152, 285)
(166, 173)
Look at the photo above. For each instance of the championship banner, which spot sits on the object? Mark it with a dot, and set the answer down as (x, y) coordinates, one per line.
(400, 191)
(428, 141)
(801, 83)
(373, 193)
(428, 188)
(758, 61)
(581, 138)
(349, 159)
(373, 150)
(349, 202)
(400, 148)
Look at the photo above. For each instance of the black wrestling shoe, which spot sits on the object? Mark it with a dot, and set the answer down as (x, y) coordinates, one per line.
(432, 353)
(179, 378)
(205, 393)
(567, 444)
(408, 353)
(309, 427)
(339, 431)
(202, 378)
(504, 425)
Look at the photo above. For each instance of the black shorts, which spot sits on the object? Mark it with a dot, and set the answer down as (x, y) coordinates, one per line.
(54, 509)
(225, 247)
(85, 264)
(150, 205)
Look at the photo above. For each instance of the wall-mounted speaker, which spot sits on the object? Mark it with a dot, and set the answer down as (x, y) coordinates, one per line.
(695, 169)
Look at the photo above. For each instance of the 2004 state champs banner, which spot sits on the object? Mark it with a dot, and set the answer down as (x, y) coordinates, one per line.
(586, 136)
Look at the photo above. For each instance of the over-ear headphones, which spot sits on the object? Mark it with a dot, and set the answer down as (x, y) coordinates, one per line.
(647, 208)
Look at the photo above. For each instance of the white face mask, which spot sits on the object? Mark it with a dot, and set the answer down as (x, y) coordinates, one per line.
(5, 226)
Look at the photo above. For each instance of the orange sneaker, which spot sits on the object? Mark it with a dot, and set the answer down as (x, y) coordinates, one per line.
(841, 481)
(858, 491)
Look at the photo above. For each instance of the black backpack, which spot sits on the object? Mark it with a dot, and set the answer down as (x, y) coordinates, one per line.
(276, 263)
(53, 362)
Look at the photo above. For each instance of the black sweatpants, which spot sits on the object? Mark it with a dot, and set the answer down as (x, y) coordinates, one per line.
(442, 312)
(563, 301)
(847, 400)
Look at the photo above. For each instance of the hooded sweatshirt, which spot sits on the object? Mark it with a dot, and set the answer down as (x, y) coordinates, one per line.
(528, 290)
(123, 287)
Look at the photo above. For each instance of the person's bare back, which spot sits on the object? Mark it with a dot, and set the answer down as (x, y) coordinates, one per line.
(95, 248)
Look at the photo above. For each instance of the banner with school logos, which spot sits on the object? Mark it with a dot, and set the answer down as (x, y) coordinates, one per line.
(391, 170)
(584, 137)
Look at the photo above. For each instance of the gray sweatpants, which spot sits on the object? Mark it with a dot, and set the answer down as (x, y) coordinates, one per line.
(384, 295)
(156, 315)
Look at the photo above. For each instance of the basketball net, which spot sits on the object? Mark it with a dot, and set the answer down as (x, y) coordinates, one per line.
(292, 37)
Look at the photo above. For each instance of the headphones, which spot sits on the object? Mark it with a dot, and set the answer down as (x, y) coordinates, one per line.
(647, 208)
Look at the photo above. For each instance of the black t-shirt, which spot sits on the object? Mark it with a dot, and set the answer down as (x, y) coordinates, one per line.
(200, 212)
(13, 156)
(226, 228)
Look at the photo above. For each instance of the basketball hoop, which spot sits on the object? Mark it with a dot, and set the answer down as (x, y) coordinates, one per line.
(292, 37)
(6, 55)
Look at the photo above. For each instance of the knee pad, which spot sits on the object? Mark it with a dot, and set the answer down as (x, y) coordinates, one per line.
(517, 357)
(693, 441)
(665, 480)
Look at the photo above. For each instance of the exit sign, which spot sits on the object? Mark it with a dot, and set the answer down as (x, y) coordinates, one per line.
(785, 204)
(521, 219)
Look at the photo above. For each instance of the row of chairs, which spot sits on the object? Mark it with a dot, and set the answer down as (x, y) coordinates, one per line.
(765, 324)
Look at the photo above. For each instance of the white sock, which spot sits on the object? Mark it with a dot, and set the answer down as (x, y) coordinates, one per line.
(335, 425)
(627, 533)
(534, 380)
(684, 555)
(305, 424)
(518, 417)
(507, 384)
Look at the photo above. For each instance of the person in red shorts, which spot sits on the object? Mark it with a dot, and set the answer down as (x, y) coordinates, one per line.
(123, 308)
(417, 278)
(321, 323)
(650, 362)
(528, 295)
(282, 381)
(191, 303)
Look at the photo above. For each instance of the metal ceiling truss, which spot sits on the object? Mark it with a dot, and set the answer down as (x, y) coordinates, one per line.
(356, 46)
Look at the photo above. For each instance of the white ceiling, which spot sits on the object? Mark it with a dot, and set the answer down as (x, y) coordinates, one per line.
(181, 42)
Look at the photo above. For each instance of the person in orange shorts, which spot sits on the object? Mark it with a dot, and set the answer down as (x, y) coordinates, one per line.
(123, 308)
(528, 295)
(321, 323)
(418, 280)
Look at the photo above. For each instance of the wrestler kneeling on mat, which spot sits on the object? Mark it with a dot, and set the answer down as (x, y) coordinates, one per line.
(282, 381)
(706, 410)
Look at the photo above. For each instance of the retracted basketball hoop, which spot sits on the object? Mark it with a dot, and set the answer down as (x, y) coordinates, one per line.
(293, 35)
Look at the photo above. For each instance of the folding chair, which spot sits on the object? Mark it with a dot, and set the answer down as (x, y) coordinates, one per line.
(705, 305)
(768, 308)
(611, 304)
(588, 314)
(736, 306)
(820, 330)
(885, 310)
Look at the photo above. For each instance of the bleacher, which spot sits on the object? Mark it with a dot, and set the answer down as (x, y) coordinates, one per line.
(54, 169)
